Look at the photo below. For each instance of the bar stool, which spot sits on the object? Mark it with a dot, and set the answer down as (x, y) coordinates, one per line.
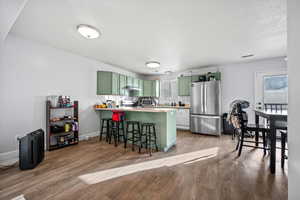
(133, 128)
(117, 124)
(105, 124)
(146, 131)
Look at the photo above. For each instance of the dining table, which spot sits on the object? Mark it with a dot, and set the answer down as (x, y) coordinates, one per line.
(273, 116)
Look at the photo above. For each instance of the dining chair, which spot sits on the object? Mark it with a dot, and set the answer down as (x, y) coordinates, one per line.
(245, 131)
(275, 106)
(281, 126)
(283, 147)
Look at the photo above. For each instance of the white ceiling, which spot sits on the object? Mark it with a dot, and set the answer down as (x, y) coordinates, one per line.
(180, 34)
(9, 12)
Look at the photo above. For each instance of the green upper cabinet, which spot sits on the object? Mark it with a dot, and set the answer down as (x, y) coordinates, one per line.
(110, 83)
(217, 75)
(122, 82)
(147, 88)
(184, 85)
(151, 88)
(129, 81)
(195, 78)
(135, 82)
(141, 86)
(107, 83)
(155, 88)
(115, 83)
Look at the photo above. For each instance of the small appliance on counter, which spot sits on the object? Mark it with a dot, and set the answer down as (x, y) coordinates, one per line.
(147, 101)
(129, 101)
(181, 104)
(173, 104)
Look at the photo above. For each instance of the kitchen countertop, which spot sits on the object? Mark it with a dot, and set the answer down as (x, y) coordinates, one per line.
(174, 107)
(140, 109)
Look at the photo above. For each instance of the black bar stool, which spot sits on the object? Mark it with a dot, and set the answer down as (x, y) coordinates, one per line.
(115, 131)
(105, 124)
(150, 136)
(133, 128)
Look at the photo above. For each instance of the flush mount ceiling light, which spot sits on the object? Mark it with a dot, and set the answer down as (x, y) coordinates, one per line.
(247, 56)
(88, 31)
(153, 64)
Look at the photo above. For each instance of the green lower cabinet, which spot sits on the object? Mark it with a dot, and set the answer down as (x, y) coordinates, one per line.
(122, 82)
(107, 83)
(184, 85)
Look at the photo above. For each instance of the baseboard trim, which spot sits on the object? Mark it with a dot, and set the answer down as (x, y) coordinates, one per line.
(11, 157)
(182, 127)
(88, 135)
(169, 146)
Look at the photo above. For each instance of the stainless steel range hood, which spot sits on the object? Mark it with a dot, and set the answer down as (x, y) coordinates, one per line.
(131, 88)
(132, 91)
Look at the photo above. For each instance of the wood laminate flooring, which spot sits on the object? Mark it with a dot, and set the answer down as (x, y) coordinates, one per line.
(219, 178)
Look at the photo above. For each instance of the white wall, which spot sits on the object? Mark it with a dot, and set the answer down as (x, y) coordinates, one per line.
(29, 72)
(237, 80)
(294, 98)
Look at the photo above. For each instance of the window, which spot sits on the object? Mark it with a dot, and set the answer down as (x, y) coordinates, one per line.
(276, 89)
(165, 88)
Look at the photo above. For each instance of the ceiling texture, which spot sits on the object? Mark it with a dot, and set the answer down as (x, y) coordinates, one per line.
(180, 34)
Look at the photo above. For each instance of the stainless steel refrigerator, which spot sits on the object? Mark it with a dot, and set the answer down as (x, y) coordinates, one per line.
(205, 113)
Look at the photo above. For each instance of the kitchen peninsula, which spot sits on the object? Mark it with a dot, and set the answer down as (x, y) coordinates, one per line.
(164, 119)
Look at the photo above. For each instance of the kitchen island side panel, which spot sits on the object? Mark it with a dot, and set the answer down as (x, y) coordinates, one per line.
(165, 124)
(171, 129)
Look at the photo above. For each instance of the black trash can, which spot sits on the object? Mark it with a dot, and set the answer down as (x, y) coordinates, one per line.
(31, 150)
